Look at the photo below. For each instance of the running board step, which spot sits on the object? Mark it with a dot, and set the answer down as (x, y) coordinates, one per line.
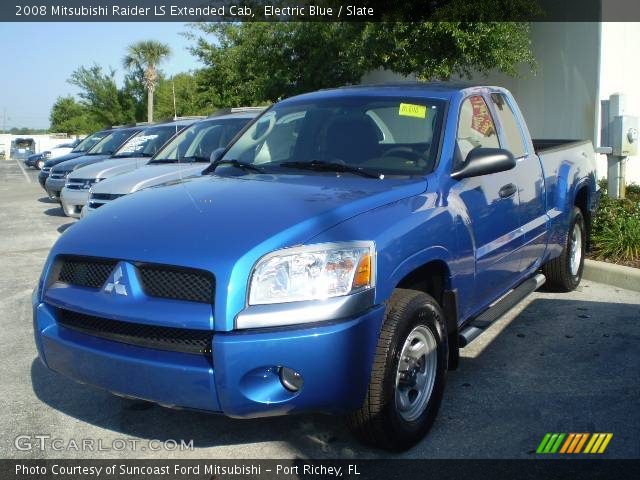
(478, 325)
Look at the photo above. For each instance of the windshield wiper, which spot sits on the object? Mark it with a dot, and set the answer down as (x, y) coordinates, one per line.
(237, 164)
(321, 166)
(162, 160)
(193, 158)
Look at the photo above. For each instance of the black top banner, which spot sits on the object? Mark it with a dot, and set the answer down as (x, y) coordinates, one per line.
(318, 10)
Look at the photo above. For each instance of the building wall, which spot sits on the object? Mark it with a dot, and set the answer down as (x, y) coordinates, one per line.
(620, 73)
(43, 142)
(559, 99)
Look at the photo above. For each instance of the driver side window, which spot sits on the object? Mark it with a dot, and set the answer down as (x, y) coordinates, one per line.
(475, 128)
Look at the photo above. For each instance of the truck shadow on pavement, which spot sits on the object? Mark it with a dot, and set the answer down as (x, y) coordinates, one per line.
(55, 212)
(559, 365)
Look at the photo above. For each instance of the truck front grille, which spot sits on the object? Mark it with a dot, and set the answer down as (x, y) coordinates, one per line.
(84, 272)
(150, 336)
(99, 199)
(105, 196)
(176, 283)
(156, 280)
(79, 183)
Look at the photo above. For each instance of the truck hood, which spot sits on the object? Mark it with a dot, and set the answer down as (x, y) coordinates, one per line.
(148, 176)
(225, 224)
(76, 163)
(109, 167)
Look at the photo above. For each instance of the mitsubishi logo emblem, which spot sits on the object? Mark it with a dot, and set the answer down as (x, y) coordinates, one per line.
(115, 286)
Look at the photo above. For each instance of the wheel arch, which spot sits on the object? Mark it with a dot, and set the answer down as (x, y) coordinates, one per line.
(432, 274)
(582, 201)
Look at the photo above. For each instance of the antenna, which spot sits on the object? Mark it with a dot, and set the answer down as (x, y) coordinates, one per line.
(173, 90)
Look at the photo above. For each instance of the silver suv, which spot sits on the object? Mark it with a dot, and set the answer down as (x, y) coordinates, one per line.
(187, 155)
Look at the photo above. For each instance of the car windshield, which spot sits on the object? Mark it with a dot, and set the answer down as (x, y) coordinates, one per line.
(109, 144)
(89, 142)
(361, 135)
(147, 142)
(196, 143)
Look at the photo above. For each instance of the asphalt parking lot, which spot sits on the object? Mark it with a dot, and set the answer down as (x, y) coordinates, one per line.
(559, 363)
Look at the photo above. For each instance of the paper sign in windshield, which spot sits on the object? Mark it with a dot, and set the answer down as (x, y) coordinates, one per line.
(412, 110)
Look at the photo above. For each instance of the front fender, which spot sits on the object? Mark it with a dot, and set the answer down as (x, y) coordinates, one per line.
(408, 234)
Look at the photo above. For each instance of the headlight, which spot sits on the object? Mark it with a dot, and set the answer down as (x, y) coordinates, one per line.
(313, 272)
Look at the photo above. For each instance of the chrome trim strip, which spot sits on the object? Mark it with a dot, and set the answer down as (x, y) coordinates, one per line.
(308, 311)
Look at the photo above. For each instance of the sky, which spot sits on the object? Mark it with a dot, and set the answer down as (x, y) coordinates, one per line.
(38, 58)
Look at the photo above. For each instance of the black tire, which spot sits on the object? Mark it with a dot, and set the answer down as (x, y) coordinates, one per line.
(560, 277)
(379, 422)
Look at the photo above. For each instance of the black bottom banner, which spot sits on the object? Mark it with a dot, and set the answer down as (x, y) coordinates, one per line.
(290, 469)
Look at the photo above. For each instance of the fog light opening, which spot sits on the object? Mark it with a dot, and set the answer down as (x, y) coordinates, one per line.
(290, 379)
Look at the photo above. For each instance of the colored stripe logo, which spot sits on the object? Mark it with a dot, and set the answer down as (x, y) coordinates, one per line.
(573, 443)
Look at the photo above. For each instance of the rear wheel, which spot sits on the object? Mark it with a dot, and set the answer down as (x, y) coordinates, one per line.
(565, 272)
(408, 374)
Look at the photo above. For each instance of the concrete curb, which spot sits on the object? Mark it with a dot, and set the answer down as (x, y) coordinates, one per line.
(612, 274)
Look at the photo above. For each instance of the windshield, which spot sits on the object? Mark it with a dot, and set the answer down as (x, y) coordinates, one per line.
(109, 144)
(89, 142)
(390, 136)
(196, 143)
(147, 142)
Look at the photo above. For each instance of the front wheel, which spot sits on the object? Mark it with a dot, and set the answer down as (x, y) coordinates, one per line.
(408, 374)
(565, 272)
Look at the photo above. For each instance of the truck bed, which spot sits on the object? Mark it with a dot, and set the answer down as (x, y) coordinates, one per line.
(548, 145)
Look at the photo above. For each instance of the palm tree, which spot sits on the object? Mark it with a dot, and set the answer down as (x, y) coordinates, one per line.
(145, 56)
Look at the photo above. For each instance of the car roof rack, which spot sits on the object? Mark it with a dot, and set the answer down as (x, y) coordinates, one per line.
(188, 117)
(227, 111)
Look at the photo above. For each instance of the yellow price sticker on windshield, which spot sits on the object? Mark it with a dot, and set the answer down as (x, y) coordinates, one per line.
(412, 110)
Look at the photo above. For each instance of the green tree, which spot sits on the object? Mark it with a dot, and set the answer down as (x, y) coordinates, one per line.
(248, 63)
(69, 116)
(144, 57)
(260, 62)
(105, 103)
(441, 50)
(188, 99)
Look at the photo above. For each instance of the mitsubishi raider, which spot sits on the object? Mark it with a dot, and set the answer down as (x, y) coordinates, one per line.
(334, 258)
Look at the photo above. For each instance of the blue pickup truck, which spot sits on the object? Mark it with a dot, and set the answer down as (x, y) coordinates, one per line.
(335, 259)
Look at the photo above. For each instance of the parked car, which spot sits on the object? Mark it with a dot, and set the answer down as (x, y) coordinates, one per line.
(135, 152)
(83, 148)
(337, 256)
(187, 155)
(103, 150)
(37, 159)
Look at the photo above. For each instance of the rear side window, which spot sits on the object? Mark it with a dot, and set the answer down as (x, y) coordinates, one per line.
(476, 127)
(510, 126)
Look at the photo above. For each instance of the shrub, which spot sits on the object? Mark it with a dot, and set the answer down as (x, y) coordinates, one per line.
(616, 228)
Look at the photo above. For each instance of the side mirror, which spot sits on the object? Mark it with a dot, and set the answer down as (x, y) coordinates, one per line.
(216, 155)
(483, 161)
